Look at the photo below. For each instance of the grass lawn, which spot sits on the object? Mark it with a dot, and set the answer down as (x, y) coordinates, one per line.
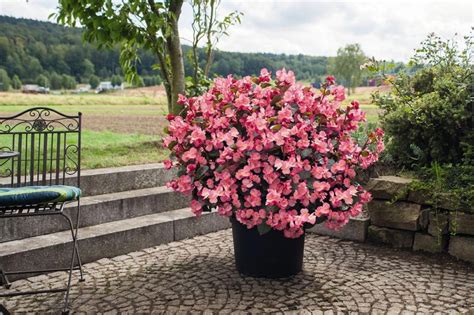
(125, 127)
(109, 149)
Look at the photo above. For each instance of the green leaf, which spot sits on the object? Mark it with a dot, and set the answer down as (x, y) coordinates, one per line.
(172, 144)
(273, 209)
(263, 228)
(306, 152)
(304, 175)
(201, 171)
(275, 127)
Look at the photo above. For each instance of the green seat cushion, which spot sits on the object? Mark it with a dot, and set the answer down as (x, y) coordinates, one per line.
(32, 195)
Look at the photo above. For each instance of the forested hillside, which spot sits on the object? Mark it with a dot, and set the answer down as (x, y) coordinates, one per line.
(33, 50)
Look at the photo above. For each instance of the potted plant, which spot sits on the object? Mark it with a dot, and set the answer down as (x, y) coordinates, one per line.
(276, 158)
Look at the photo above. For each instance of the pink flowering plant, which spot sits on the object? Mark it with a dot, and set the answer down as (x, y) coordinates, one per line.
(272, 153)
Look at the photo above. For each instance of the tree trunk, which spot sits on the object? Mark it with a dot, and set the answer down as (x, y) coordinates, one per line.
(176, 58)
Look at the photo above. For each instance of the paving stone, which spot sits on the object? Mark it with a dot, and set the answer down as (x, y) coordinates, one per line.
(198, 276)
(393, 237)
(398, 215)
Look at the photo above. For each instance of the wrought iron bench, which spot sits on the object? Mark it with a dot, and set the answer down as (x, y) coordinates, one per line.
(40, 152)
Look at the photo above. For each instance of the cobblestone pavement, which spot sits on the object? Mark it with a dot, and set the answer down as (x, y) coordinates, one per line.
(198, 275)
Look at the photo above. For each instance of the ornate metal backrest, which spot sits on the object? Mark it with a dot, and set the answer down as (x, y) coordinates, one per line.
(49, 147)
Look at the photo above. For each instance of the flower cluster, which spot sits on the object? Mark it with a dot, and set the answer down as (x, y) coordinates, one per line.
(272, 153)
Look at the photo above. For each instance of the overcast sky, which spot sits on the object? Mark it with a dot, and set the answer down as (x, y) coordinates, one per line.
(385, 29)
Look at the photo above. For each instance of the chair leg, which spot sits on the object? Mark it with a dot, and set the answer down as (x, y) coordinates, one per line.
(78, 216)
(71, 268)
(76, 251)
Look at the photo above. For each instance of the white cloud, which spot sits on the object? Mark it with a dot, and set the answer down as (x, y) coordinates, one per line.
(385, 29)
(32, 9)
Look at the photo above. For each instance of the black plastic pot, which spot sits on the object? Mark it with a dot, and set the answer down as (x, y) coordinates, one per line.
(270, 255)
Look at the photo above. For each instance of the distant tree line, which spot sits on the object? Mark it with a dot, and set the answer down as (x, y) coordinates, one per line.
(55, 56)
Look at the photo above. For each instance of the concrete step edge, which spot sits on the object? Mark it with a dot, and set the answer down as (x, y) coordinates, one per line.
(59, 238)
(96, 210)
(116, 179)
(121, 195)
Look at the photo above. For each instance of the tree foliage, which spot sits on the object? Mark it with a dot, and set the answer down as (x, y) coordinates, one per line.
(20, 40)
(346, 65)
(94, 81)
(207, 27)
(133, 25)
(428, 116)
(16, 82)
(4, 80)
(42, 80)
(116, 80)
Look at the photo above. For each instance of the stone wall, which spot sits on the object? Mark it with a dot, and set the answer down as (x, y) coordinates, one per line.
(410, 222)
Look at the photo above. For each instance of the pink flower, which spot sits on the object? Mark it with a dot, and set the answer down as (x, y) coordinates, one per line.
(339, 93)
(254, 199)
(184, 184)
(225, 209)
(266, 152)
(365, 197)
(198, 136)
(265, 76)
(168, 164)
(331, 80)
(181, 99)
(196, 207)
(325, 209)
(285, 115)
(287, 78)
(192, 154)
(321, 186)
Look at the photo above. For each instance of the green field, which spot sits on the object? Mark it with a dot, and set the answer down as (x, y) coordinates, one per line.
(122, 128)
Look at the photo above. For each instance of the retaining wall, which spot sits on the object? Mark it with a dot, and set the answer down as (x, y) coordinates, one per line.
(410, 222)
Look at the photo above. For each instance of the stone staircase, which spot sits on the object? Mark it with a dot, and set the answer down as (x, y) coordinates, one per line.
(122, 210)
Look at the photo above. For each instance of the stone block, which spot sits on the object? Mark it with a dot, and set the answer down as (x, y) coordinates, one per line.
(354, 230)
(189, 227)
(420, 196)
(424, 219)
(444, 201)
(398, 215)
(462, 247)
(429, 243)
(395, 238)
(438, 223)
(388, 187)
(462, 223)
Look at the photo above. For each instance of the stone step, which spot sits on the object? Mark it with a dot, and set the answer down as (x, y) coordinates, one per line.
(117, 179)
(96, 210)
(354, 230)
(108, 239)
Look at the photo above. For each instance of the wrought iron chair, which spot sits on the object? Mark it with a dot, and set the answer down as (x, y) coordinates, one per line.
(39, 149)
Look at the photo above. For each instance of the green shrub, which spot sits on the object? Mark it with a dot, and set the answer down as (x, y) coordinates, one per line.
(16, 82)
(69, 82)
(42, 80)
(94, 81)
(4, 80)
(116, 80)
(429, 116)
